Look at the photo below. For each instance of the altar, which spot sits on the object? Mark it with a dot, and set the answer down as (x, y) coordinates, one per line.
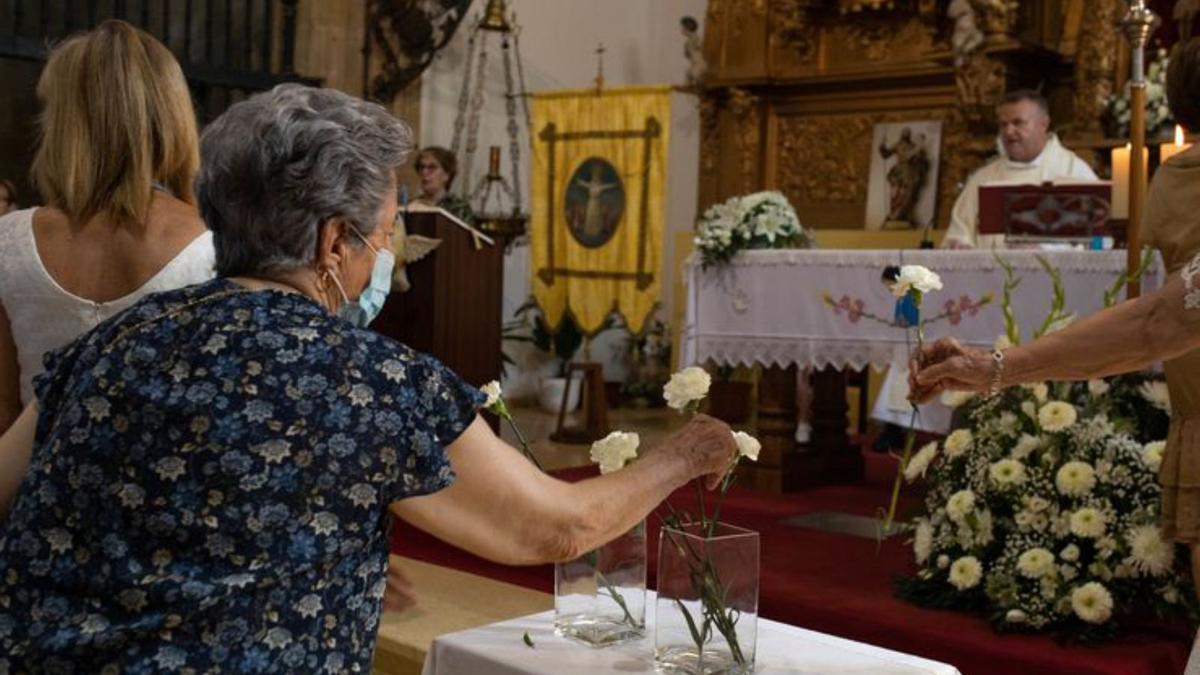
(787, 310)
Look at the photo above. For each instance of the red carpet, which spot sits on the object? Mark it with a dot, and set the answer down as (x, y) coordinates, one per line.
(842, 585)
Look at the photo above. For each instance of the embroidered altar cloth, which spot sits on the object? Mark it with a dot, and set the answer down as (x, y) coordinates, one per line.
(770, 307)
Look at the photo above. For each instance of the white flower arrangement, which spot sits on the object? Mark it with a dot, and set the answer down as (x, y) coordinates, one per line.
(757, 220)
(1159, 121)
(1049, 521)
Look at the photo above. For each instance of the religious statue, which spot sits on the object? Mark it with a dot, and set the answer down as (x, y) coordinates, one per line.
(693, 49)
(906, 178)
(1185, 17)
(966, 37)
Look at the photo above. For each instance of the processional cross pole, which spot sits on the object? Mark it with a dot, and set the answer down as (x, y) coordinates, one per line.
(1138, 25)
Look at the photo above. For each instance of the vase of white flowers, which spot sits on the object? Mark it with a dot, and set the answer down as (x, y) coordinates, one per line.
(708, 571)
(600, 597)
(759, 220)
(1159, 121)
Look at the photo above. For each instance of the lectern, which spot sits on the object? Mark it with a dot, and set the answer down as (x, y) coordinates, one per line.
(452, 310)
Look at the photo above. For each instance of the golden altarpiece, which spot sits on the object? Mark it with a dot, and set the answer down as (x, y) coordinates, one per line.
(794, 89)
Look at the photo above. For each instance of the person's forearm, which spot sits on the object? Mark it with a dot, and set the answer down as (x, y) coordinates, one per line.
(1125, 338)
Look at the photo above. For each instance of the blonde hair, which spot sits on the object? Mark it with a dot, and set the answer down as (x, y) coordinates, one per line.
(117, 118)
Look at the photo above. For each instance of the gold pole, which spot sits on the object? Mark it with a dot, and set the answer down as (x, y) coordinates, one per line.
(1138, 25)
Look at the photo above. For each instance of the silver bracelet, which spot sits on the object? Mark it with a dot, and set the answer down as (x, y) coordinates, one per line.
(997, 372)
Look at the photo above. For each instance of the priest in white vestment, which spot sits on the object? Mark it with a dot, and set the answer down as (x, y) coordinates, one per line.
(1029, 153)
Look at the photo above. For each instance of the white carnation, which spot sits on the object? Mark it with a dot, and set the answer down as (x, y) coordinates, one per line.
(916, 277)
(918, 463)
(1097, 387)
(747, 445)
(1007, 472)
(492, 390)
(1025, 446)
(1070, 553)
(1075, 479)
(958, 442)
(1148, 552)
(1152, 454)
(687, 386)
(1088, 522)
(1092, 602)
(1057, 415)
(1036, 563)
(954, 399)
(923, 541)
(965, 573)
(614, 450)
(960, 504)
(1157, 394)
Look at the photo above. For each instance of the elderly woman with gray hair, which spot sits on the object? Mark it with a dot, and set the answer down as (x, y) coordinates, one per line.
(212, 472)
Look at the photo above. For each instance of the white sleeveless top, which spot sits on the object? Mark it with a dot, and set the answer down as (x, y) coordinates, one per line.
(43, 316)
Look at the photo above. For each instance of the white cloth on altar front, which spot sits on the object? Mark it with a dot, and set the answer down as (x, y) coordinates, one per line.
(1055, 163)
(499, 649)
(766, 307)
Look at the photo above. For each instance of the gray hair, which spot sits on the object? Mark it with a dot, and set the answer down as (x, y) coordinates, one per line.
(279, 164)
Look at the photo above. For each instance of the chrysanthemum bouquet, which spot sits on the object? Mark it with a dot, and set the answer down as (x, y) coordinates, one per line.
(758, 220)
(1042, 509)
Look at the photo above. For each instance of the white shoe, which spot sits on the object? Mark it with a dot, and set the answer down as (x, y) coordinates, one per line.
(803, 432)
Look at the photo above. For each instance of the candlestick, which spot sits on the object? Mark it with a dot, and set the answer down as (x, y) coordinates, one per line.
(494, 161)
(1168, 150)
(1121, 172)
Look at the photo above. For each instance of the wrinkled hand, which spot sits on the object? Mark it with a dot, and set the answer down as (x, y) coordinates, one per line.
(707, 444)
(399, 594)
(947, 365)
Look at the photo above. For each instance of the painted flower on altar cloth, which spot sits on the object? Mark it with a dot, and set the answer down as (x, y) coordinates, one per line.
(687, 388)
(613, 451)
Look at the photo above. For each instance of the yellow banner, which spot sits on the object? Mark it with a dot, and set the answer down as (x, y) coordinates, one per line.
(598, 188)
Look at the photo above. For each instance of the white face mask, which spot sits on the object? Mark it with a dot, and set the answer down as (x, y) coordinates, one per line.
(370, 301)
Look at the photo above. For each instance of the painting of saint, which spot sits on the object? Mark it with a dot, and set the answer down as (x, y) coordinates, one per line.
(594, 202)
(902, 187)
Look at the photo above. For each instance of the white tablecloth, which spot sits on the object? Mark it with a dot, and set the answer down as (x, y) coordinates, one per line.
(499, 649)
(766, 307)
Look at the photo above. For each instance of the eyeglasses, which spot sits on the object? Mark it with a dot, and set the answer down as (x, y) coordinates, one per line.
(428, 167)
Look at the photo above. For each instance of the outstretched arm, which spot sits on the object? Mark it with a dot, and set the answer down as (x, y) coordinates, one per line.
(502, 508)
(1121, 339)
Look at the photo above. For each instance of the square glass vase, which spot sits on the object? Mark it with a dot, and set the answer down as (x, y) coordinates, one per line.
(600, 597)
(706, 613)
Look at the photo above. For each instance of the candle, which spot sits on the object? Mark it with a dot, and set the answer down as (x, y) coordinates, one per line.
(494, 161)
(1120, 179)
(1169, 150)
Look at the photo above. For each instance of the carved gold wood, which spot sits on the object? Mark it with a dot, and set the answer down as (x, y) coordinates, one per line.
(1096, 63)
(746, 111)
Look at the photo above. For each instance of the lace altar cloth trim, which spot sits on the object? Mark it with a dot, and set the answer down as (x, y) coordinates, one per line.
(768, 307)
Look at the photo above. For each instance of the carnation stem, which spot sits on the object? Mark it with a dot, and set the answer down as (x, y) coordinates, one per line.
(524, 444)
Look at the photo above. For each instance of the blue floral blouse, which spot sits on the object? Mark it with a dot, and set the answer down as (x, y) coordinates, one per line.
(209, 488)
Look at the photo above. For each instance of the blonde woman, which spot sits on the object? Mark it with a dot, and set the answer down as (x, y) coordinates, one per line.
(115, 163)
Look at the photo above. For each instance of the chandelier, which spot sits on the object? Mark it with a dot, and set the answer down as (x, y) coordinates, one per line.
(496, 199)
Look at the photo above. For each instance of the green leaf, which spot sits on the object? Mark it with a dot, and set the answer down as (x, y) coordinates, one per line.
(528, 642)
